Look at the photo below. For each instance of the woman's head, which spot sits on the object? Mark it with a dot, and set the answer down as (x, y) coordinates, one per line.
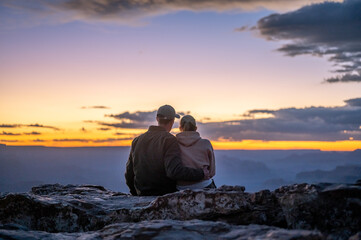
(187, 123)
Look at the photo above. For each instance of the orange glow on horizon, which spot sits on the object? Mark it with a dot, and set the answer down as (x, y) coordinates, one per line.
(81, 134)
(288, 145)
(218, 145)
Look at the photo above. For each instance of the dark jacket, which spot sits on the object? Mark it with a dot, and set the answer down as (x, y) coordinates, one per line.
(154, 164)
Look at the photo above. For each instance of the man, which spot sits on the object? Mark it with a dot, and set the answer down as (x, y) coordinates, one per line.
(154, 163)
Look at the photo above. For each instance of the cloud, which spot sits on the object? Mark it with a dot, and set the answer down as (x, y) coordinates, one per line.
(345, 78)
(83, 130)
(330, 29)
(8, 141)
(138, 116)
(297, 124)
(129, 8)
(355, 102)
(133, 125)
(10, 125)
(136, 120)
(10, 134)
(131, 11)
(120, 134)
(33, 133)
(36, 125)
(104, 129)
(19, 134)
(112, 140)
(95, 107)
(92, 140)
(126, 136)
(71, 140)
(241, 29)
(261, 111)
(38, 140)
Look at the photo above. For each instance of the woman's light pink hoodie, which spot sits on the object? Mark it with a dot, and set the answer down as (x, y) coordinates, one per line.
(196, 153)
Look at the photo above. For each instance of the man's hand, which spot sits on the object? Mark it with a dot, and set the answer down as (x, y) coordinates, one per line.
(206, 172)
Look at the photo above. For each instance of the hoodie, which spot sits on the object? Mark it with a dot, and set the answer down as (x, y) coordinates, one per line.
(195, 153)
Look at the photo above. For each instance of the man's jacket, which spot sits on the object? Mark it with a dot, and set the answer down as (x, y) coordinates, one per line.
(154, 164)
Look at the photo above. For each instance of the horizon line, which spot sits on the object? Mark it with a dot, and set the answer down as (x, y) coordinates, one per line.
(221, 149)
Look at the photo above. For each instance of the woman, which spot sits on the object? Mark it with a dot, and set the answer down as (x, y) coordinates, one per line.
(196, 153)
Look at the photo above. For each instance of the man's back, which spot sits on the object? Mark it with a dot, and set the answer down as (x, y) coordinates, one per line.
(154, 164)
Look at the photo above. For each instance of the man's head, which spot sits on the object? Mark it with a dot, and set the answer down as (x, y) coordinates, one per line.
(165, 117)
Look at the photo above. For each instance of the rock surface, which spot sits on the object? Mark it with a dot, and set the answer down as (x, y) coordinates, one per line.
(173, 229)
(86, 212)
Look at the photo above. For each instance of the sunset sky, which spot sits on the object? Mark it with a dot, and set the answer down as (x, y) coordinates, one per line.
(262, 74)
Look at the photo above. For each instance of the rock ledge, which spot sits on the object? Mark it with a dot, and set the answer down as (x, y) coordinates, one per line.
(300, 211)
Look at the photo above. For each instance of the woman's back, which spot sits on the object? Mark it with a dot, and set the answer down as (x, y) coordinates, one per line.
(196, 152)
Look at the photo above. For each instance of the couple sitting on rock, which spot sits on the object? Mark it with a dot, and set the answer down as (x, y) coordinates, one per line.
(161, 163)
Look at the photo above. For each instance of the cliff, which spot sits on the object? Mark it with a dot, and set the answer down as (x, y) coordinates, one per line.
(300, 211)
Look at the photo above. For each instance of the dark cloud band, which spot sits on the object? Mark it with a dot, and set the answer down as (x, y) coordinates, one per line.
(10, 134)
(139, 119)
(36, 125)
(130, 11)
(95, 107)
(91, 140)
(19, 134)
(293, 124)
(288, 124)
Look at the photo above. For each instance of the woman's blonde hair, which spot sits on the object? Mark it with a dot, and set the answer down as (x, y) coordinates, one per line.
(188, 123)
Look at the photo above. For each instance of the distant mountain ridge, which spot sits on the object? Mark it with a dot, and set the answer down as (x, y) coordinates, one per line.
(22, 167)
(343, 174)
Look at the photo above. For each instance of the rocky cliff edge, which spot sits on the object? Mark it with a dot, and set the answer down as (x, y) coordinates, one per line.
(300, 211)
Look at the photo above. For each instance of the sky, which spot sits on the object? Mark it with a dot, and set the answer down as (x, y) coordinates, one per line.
(256, 74)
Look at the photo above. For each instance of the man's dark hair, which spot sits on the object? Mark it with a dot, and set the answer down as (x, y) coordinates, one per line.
(162, 120)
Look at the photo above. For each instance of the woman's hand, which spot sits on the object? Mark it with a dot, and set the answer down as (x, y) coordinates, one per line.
(206, 172)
